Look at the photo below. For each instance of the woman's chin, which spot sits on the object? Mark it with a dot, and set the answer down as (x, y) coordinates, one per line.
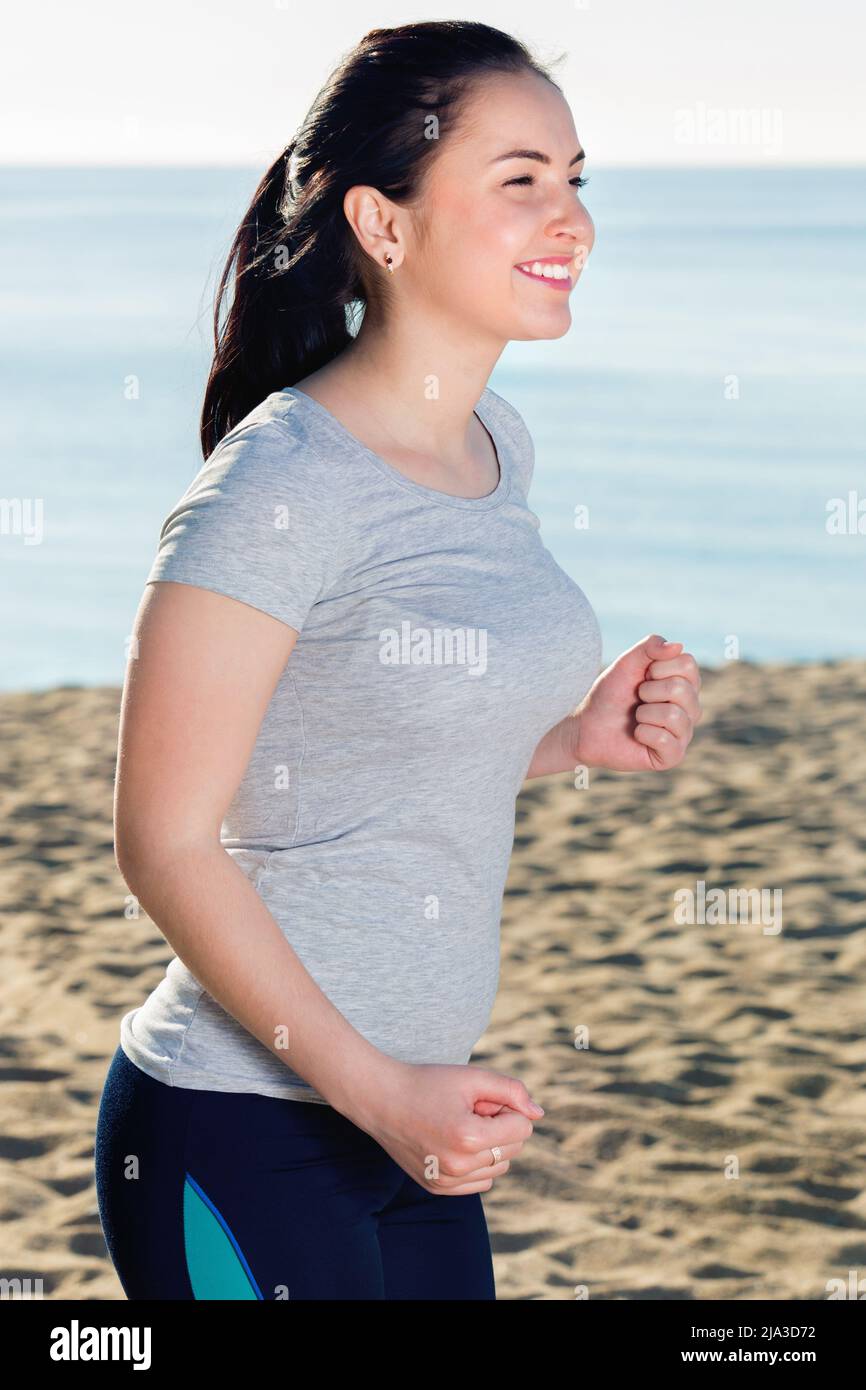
(547, 325)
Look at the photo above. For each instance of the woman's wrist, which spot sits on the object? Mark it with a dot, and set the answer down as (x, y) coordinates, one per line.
(556, 752)
(364, 1081)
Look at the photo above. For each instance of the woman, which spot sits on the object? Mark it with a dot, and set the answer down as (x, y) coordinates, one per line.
(352, 650)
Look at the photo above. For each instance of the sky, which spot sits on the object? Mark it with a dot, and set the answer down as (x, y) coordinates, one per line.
(671, 83)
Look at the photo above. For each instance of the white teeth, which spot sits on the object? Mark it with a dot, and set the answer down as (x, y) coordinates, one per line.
(551, 270)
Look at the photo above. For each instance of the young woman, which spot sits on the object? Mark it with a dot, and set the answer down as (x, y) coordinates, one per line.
(352, 650)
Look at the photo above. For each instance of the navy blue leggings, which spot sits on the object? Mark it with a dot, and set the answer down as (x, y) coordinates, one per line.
(217, 1195)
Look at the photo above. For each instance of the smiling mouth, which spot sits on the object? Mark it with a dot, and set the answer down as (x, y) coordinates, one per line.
(553, 271)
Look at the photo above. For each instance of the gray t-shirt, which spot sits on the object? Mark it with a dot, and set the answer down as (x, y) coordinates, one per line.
(439, 641)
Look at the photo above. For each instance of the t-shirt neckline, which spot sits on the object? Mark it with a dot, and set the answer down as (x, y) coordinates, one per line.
(483, 411)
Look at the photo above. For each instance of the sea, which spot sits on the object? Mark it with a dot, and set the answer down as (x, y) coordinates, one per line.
(700, 431)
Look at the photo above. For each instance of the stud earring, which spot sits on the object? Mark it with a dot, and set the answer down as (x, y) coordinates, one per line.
(388, 264)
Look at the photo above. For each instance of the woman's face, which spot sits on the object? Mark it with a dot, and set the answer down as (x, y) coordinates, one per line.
(488, 216)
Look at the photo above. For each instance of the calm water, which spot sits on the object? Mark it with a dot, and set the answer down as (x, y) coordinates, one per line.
(707, 402)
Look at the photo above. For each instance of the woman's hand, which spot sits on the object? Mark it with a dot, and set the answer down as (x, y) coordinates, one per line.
(640, 714)
(427, 1121)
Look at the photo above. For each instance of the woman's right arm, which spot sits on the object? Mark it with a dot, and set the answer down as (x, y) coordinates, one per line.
(202, 670)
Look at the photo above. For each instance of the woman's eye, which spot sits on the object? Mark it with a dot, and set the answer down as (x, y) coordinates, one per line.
(527, 179)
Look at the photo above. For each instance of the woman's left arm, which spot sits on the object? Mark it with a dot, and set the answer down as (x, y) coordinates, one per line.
(638, 716)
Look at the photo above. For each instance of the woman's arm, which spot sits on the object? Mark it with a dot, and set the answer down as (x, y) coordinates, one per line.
(202, 671)
(556, 751)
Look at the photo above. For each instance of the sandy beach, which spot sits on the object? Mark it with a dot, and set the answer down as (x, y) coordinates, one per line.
(704, 1080)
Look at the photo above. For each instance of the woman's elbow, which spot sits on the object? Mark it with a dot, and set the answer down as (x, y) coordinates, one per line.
(145, 845)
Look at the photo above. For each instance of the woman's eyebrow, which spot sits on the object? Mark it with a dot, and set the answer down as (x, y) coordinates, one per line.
(535, 154)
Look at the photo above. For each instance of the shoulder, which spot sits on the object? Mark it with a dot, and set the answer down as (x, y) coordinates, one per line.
(261, 521)
(274, 446)
(509, 420)
(264, 480)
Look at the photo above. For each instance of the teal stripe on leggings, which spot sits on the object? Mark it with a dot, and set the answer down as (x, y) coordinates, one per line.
(217, 1266)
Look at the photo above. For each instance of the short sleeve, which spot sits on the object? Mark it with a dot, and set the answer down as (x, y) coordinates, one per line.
(256, 523)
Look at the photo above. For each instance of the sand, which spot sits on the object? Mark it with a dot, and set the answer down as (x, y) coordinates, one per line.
(708, 1142)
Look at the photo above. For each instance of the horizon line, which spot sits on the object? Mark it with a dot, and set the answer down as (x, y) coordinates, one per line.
(611, 164)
